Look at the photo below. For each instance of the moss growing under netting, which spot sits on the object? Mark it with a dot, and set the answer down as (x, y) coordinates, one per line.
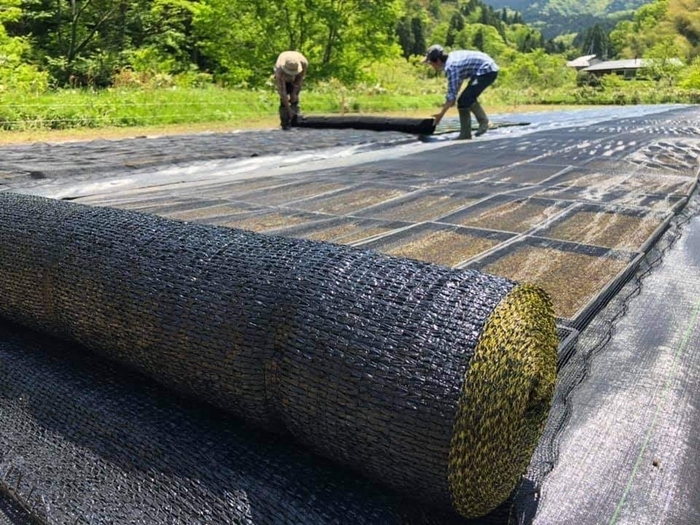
(349, 201)
(572, 278)
(421, 206)
(434, 382)
(611, 228)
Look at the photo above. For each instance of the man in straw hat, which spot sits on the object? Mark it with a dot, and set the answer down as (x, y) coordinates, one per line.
(290, 70)
(475, 66)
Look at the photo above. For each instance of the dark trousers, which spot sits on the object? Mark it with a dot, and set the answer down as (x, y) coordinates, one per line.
(284, 117)
(475, 87)
(290, 87)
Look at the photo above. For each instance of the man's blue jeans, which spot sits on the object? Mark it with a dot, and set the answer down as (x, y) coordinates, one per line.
(474, 89)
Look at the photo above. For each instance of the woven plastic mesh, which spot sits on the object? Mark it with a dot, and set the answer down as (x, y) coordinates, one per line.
(86, 441)
(359, 356)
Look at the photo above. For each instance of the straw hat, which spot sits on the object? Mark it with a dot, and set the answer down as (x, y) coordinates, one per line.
(291, 67)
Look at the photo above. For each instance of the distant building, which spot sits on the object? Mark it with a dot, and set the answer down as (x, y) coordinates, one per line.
(583, 62)
(627, 68)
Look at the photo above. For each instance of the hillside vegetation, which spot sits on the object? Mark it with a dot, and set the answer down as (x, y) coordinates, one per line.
(558, 17)
(93, 63)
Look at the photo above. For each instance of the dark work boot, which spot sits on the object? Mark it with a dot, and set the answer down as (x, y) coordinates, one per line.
(465, 124)
(481, 118)
(284, 118)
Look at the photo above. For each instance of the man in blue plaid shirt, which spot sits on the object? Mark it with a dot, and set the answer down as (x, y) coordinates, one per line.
(475, 66)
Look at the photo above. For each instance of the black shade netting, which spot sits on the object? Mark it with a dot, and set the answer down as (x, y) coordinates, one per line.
(434, 382)
(405, 125)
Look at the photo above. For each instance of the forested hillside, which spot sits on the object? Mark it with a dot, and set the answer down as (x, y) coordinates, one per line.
(664, 28)
(558, 17)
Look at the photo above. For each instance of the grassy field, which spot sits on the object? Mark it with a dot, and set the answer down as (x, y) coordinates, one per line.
(129, 112)
(75, 115)
(397, 87)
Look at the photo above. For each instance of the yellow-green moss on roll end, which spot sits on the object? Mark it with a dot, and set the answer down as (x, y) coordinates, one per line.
(505, 401)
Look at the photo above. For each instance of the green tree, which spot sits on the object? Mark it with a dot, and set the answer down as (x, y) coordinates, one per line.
(434, 7)
(86, 41)
(493, 43)
(633, 38)
(538, 70)
(525, 38)
(662, 62)
(689, 77)
(337, 36)
(16, 74)
(418, 28)
(456, 25)
(479, 40)
(404, 33)
(596, 42)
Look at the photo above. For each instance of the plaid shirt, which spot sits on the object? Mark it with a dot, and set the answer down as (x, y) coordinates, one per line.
(463, 65)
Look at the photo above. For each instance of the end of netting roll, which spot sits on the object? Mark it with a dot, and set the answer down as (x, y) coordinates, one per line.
(505, 401)
(433, 382)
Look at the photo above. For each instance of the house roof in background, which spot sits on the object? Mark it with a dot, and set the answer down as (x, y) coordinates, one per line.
(583, 61)
(632, 63)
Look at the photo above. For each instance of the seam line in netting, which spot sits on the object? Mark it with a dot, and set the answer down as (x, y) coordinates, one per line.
(679, 350)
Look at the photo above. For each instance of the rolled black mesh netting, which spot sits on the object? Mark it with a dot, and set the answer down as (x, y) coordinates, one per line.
(432, 381)
(415, 126)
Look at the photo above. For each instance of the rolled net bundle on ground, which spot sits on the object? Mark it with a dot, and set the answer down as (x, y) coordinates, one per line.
(435, 382)
(415, 126)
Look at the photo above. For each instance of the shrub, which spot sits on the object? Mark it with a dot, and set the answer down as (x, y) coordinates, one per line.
(583, 78)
